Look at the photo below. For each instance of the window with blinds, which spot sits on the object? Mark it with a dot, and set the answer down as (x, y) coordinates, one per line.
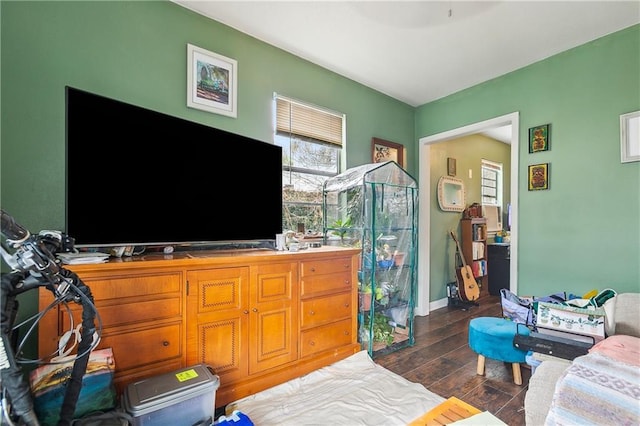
(491, 190)
(491, 185)
(312, 140)
(307, 121)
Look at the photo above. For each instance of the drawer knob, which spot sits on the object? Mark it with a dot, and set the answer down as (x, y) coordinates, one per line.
(312, 312)
(165, 343)
(346, 333)
(255, 309)
(346, 305)
(312, 343)
(246, 312)
(313, 269)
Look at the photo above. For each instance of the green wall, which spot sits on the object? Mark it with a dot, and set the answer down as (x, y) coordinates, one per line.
(584, 232)
(136, 52)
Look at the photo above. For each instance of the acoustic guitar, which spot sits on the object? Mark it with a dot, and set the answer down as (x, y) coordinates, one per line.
(467, 285)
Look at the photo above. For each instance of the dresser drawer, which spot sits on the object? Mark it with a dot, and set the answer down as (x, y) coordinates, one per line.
(114, 315)
(144, 346)
(323, 284)
(322, 310)
(326, 266)
(325, 337)
(122, 286)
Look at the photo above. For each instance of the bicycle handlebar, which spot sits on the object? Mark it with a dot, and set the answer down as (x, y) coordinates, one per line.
(34, 265)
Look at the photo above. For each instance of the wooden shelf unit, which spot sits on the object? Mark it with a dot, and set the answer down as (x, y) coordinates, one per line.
(258, 318)
(474, 249)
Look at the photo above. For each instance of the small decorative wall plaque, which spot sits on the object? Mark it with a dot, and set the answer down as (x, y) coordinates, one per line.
(538, 177)
(539, 138)
(451, 166)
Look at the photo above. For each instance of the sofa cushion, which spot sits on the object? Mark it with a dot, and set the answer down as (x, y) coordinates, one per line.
(542, 384)
(621, 348)
(627, 314)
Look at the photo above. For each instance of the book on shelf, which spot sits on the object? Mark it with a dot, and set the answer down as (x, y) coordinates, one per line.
(477, 250)
(479, 232)
(479, 268)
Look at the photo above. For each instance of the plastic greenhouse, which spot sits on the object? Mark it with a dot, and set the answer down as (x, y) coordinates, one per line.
(375, 207)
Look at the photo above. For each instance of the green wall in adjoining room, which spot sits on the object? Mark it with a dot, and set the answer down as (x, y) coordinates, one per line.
(136, 52)
(469, 151)
(584, 232)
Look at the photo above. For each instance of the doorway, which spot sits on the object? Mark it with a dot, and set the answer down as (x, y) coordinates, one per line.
(423, 303)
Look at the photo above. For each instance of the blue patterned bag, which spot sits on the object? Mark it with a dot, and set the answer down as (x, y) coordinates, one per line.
(517, 309)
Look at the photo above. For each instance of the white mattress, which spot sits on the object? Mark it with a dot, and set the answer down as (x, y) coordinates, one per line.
(354, 391)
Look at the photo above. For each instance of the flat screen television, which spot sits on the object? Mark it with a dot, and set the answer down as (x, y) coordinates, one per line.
(137, 177)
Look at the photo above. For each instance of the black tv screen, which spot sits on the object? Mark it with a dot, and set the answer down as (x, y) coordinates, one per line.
(140, 177)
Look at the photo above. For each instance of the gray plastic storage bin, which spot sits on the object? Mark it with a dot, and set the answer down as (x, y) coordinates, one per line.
(184, 397)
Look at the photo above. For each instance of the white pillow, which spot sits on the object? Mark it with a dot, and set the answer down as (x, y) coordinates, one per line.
(609, 316)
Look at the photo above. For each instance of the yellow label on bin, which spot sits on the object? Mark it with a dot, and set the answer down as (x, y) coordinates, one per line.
(186, 375)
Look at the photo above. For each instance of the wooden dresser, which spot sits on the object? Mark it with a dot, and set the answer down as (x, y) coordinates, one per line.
(257, 317)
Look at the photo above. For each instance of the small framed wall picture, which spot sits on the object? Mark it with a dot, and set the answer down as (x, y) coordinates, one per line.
(630, 137)
(387, 151)
(540, 138)
(451, 166)
(538, 177)
(212, 82)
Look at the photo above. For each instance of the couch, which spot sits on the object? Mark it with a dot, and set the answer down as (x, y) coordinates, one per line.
(552, 380)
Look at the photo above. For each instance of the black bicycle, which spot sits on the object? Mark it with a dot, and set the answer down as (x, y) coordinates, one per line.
(33, 263)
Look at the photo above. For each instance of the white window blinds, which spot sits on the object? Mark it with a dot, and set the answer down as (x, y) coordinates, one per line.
(491, 184)
(304, 120)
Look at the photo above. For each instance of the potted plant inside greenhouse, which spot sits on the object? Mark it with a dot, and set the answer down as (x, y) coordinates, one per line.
(341, 229)
(365, 293)
(382, 331)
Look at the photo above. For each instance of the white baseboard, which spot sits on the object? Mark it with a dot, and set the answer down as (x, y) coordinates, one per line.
(433, 306)
(438, 304)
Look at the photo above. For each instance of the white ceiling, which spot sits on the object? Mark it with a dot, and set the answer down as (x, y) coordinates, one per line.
(420, 51)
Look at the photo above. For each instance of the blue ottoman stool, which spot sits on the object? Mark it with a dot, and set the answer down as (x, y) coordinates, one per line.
(492, 337)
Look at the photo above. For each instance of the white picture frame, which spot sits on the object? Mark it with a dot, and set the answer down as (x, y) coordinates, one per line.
(212, 82)
(630, 137)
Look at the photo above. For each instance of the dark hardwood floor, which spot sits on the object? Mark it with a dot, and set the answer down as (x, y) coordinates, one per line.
(443, 362)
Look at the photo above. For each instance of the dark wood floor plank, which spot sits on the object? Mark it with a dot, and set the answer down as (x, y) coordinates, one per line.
(486, 398)
(458, 382)
(442, 361)
(513, 412)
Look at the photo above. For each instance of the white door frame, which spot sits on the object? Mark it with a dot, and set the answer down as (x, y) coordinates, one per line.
(424, 306)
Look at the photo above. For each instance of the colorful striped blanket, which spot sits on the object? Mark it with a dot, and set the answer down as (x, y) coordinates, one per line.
(600, 388)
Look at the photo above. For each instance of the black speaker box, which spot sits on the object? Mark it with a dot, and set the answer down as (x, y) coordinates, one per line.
(561, 347)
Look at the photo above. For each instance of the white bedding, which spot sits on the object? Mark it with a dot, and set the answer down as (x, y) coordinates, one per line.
(354, 391)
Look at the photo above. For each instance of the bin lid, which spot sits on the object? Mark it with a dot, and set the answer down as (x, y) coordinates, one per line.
(176, 386)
